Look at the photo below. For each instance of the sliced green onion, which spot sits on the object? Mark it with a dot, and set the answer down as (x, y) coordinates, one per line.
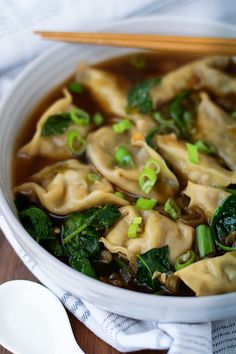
(172, 209)
(185, 260)
(192, 153)
(145, 204)
(205, 147)
(120, 195)
(137, 220)
(154, 165)
(93, 177)
(148, 177)
(98, 119)
(233, 114)
(75, 142)
(205, 241)
(147, 180)
(134, 227)
(79, 116)
(133, 230)
(75, 87)
(123, 157)
(122, 126)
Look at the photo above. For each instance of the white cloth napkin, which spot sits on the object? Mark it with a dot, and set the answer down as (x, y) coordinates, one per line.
(17, 47)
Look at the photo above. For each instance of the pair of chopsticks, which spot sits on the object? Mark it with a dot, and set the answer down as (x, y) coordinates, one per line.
(165, 44)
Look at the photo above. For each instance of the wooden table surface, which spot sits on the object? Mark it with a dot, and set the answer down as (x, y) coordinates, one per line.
(11, 268)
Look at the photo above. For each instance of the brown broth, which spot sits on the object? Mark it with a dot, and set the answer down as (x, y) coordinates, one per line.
(156, 65)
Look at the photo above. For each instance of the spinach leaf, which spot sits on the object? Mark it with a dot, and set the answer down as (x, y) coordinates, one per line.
(55, 247)
(37, 223)
(56, 124)
(81, 262)
(156, 259)
(81, 232)
(223, 224)
(96, 218)
(124, 269)
(181, 117)
(22, 202)
(40, 227)
(139, 96)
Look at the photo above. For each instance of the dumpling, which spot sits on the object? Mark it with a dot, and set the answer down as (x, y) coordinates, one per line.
(211, 276)
(158, 231)
(53, 146)
(205, 197)
(217, 127)
(101, 152)
(63, 188)
(111, 93)
(201, 74)
(207, 172)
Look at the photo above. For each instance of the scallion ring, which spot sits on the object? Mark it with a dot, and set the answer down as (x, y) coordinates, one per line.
(75, 142)
(120, 194)
(184, 260)
(147, 180)
(79, 116)
(205, 241)
(134, 227)
(192, 153)
(145, 204)
(98, 119)
(154, 165)
(123, 157)
(172, 208)
(122, 126)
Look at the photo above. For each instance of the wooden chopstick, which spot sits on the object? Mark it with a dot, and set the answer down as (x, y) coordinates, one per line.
(182, 44)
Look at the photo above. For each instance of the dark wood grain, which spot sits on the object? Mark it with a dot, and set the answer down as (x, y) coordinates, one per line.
(12, 268)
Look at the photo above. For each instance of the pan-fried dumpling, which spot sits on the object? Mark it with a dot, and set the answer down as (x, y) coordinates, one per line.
(158, 230)
(111, 93)
(211, 276)
(53, 146)
(64, 188)
(205, 197)
(101, 152)
(217, 127)
(202, 74)
(207, 171)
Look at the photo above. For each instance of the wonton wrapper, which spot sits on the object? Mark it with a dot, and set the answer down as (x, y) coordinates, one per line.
(158, 231)
(207, 171)
(63, 188)
(217, 127)
(211, 276)
(101, 151)
(205, 197)
(201, 74)
(53, 146)
(111, 92)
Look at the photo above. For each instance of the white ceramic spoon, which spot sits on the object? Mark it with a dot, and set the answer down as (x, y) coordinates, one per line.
(33, 321)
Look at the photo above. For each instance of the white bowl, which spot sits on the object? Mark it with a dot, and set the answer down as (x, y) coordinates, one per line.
(39, 78)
